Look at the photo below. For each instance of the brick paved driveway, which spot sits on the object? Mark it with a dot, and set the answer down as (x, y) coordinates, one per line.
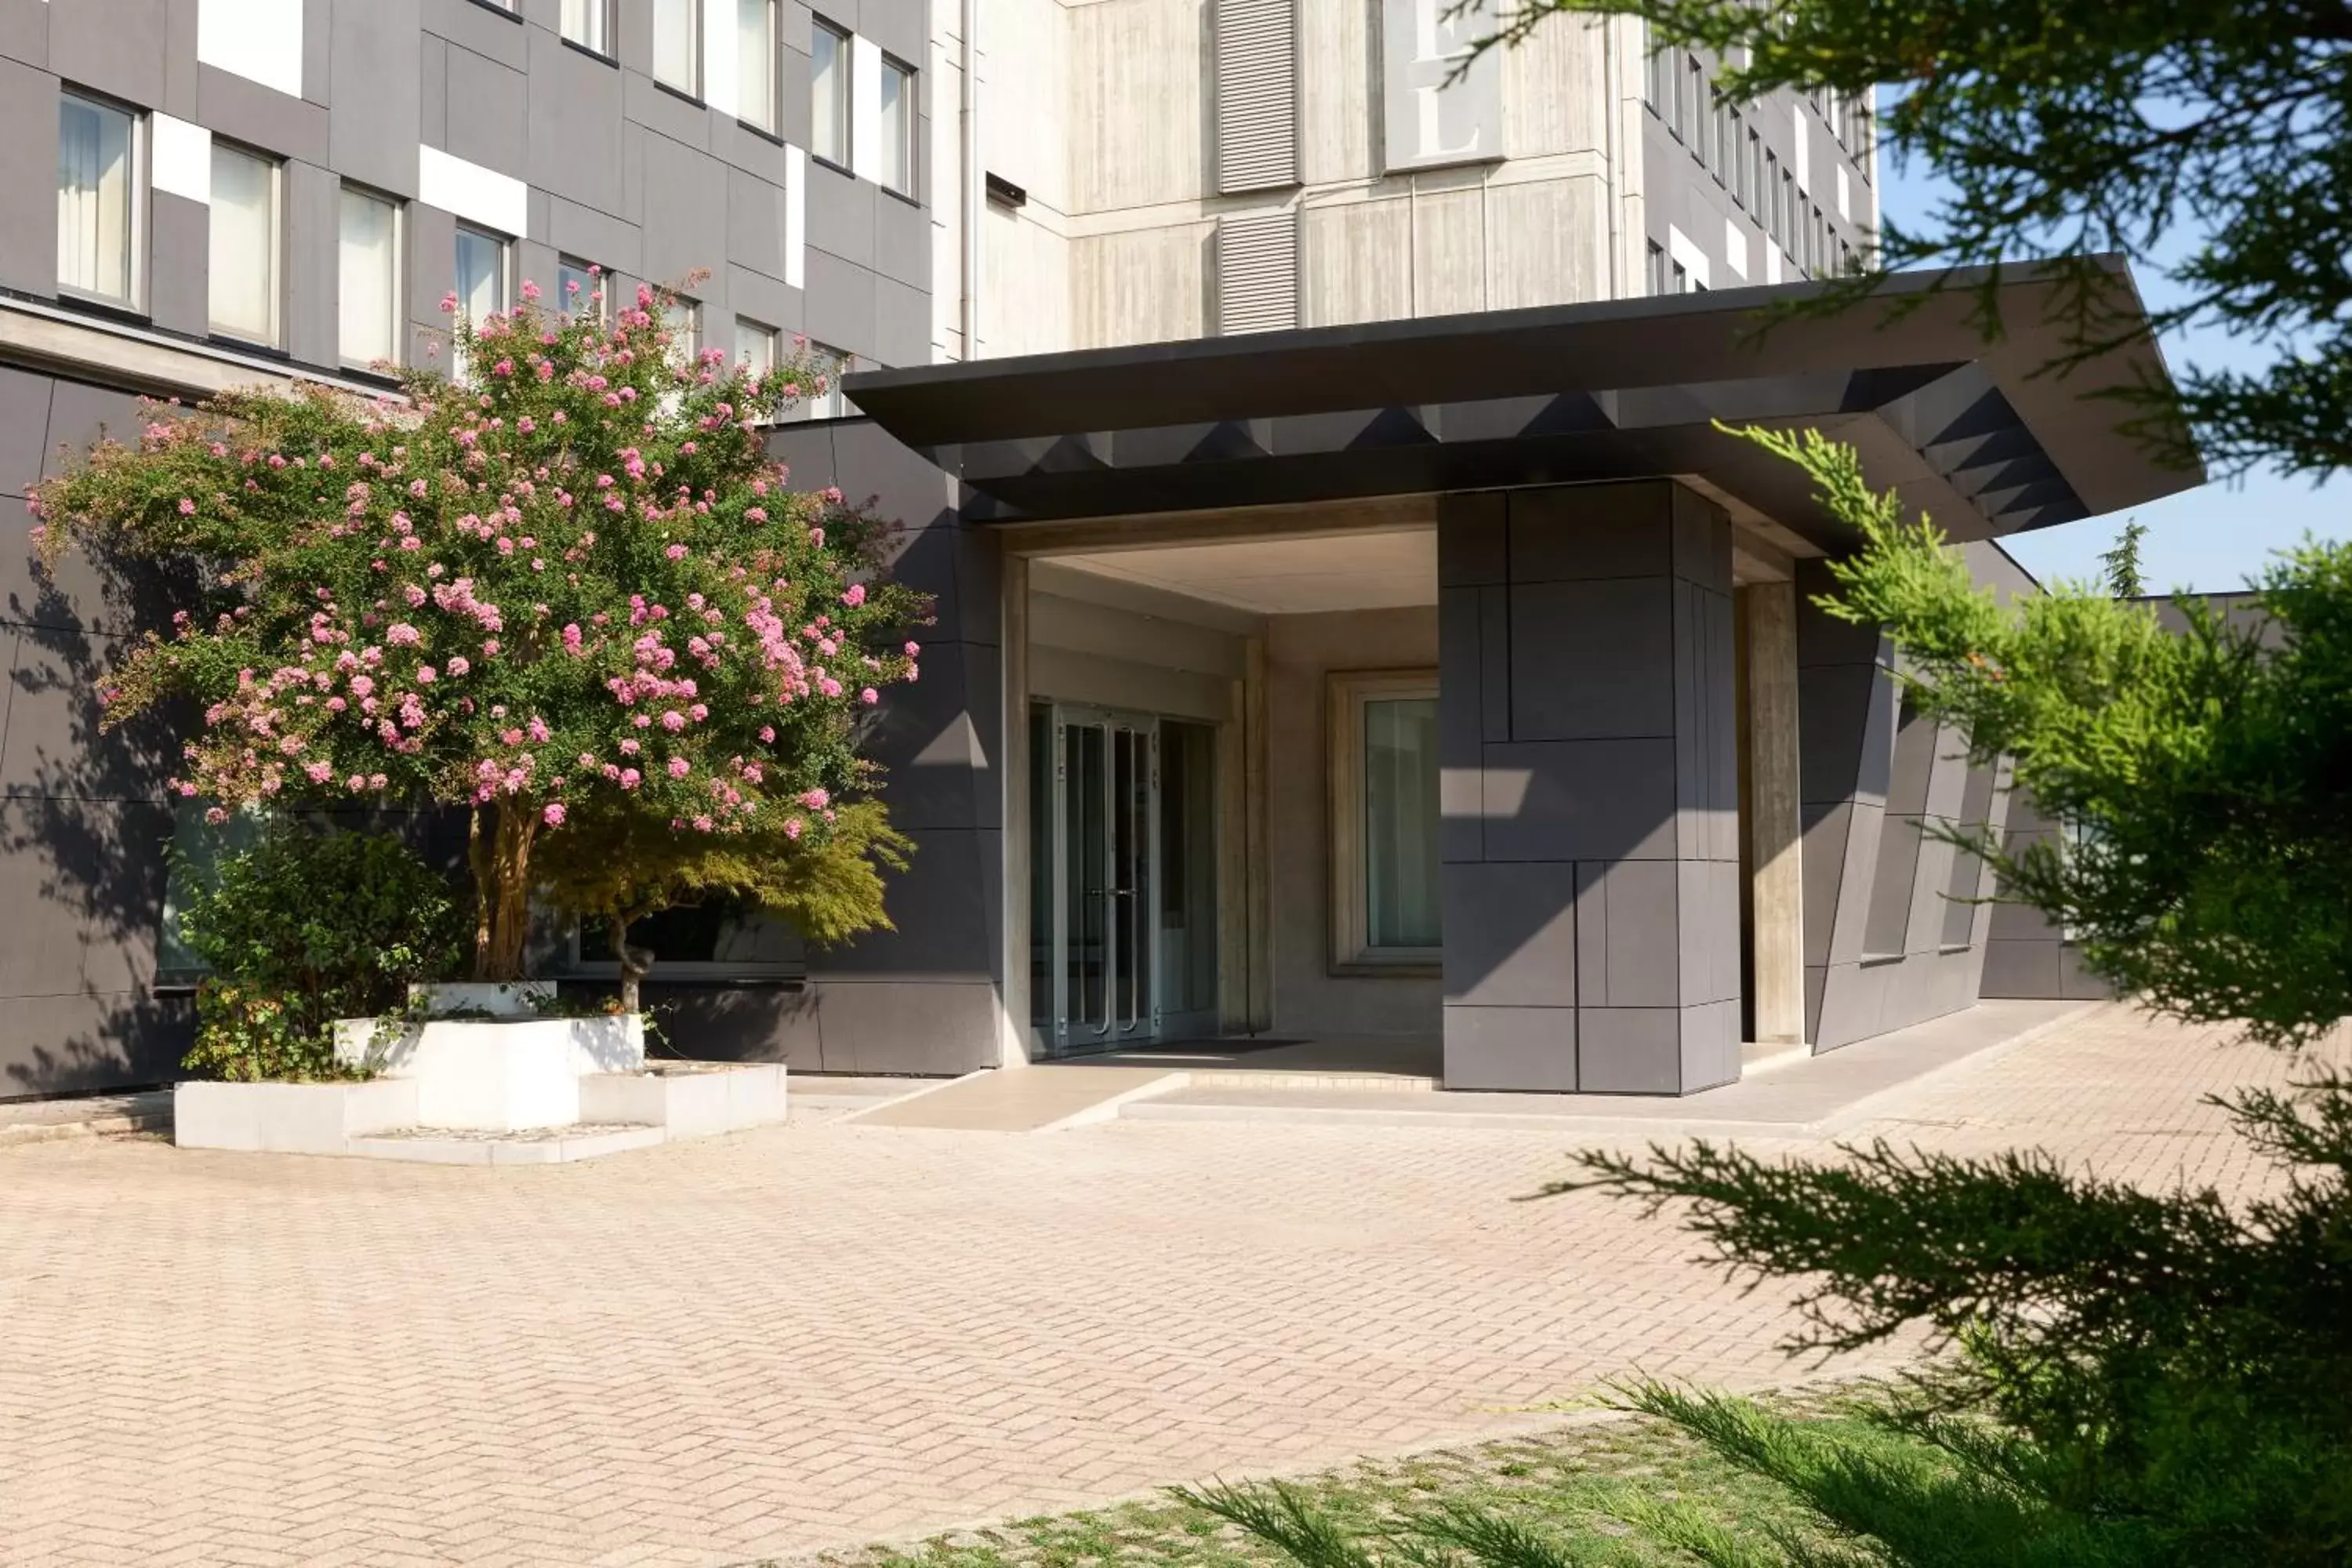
(709, 1353)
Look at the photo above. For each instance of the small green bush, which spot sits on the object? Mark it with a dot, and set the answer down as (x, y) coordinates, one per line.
(305, 928)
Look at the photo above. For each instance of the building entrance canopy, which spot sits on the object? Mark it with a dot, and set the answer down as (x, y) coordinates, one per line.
(1985, 435)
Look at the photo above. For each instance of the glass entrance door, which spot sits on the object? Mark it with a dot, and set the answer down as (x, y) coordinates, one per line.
(1105, 852)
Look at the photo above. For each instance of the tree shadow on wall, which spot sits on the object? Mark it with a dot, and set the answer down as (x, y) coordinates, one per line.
(84, 827)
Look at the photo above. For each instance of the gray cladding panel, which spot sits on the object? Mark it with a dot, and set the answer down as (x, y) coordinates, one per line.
(1510, 935)
(113, 45)
(1578, 532)
(28, 175)
(839, 306)
(25, 31)
(685, 209)
(313, 218)
(23, 431)
(902, 245)
(1607, 650)
(841, 215)
(260, 117)
(1581, 800)
(576, 130)
(178, 297)
(488, 113)
(1511, 1048)
(376, 76)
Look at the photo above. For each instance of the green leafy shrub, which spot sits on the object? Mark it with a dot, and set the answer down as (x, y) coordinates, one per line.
(303, 929)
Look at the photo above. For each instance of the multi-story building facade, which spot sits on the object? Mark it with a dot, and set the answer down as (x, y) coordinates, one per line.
(1154, 170)
(1346, 623)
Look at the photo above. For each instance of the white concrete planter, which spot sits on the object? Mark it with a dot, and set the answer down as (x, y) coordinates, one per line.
(498, 1077)
(289, 1118)
(387, 1119)
(688, 1100)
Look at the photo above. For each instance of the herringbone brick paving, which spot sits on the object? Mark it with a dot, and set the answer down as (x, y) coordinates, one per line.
(708, 1352)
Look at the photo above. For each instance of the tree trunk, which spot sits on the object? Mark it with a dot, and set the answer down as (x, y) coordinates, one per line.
(502, 864)
(634, 961)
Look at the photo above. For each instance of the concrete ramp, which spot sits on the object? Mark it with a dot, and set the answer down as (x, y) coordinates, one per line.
(1023, 1099)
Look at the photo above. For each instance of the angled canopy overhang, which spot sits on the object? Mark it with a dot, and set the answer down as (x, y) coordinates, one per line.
(1991, 437)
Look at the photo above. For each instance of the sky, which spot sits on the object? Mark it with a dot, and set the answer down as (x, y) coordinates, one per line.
(2210, 539)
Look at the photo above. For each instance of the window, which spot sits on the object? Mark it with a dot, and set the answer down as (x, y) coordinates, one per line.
(583, 290)
(1384, 816)
(481, 282)
(1694, 100)
(829, 94)
(588, 24)
(368, 281)
(198, 848)
(98, 176)
(1656, 272)
(243, 261)
(1658, 83)
(898, 127)
(755, 345)
(677, 45)
(755, 62)
(481, 274)
(826, 400)
(683, 317)
(707, 941)
(1681, 278)
(1771, 195)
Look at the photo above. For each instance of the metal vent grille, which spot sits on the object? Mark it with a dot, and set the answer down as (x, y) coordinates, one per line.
(1257, 95)
(1257, 273)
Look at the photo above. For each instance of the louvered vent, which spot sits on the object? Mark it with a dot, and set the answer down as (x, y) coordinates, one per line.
(1257, 273)
(1257, 95)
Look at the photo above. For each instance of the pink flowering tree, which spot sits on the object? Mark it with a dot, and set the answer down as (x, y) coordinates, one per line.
(569, 592)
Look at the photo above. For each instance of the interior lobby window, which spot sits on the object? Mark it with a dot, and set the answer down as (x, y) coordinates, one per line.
(368, 279)
(898, 127)
(756, 60)
(678, 46)
(1384, 820)
(719, 940)
(829, 94)
(96, 180)
(244, 271)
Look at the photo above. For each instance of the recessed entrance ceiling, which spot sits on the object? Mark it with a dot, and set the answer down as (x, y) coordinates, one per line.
(1285, 576)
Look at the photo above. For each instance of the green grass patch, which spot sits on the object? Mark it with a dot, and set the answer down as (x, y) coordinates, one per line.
(1578, 1485)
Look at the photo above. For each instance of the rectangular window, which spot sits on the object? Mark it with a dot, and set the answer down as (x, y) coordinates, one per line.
(684, 318)
(98, 179)
(1656, 272)
(481, 273)
(1693, 102)
(1384, 820)
(898, 127)
(368, 280)
(481, 283)
(829, 94)
(677, 45)
(244, 241)
(755, 345)
(583, 290)
(755, 62)
(588, 24)
(826, 400)
(1681, 278)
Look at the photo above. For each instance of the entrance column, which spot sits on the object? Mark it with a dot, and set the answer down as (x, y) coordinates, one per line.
(1589, 790)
